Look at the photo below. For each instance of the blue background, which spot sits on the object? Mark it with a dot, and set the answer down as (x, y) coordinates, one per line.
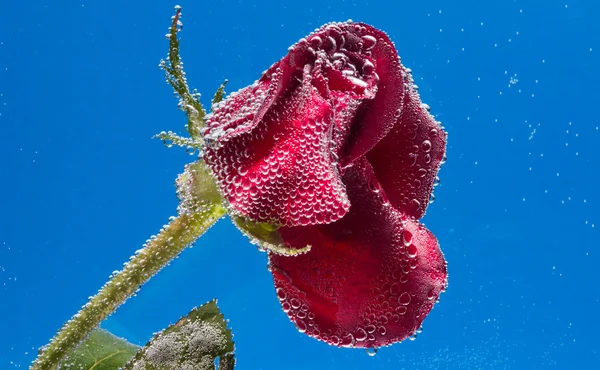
(82, 184)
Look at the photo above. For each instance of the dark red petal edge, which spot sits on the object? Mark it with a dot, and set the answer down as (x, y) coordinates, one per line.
(406, 162)
(377, 117)
(369, 280)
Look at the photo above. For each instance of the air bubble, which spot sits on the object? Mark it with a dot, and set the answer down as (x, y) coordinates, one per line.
(368, 67)
(407, 238)
(371, 351)
(369, 42)
(426, 146)
(301, 325)
(347, 340)
(361, 335)
(404, 299)
(295, 303)
(281, 294)
(411, 251)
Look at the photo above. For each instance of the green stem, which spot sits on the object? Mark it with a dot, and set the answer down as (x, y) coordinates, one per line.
(172, 239)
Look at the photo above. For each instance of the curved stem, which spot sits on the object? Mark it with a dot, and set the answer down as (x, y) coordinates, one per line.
(172, 239)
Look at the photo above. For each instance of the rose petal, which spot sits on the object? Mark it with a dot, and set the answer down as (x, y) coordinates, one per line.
(376, 117)
(274, 146)
(368, 281)
(407, 160)
(279, 169)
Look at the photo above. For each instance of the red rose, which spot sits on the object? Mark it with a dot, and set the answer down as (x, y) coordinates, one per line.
(333, 145)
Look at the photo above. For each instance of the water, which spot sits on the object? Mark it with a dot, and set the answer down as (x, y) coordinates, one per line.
(83, 185)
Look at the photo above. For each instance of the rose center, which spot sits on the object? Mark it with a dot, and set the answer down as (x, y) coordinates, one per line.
(346, 58)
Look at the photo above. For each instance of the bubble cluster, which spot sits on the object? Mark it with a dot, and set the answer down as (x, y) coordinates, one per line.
(191, 347)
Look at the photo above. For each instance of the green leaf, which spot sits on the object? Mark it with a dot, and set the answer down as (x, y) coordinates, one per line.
(169, 139)
(100, 351)
(194, 219)
(195, 342)
(189, 101)
(266, 236)
(159, 250)
(220, 93)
